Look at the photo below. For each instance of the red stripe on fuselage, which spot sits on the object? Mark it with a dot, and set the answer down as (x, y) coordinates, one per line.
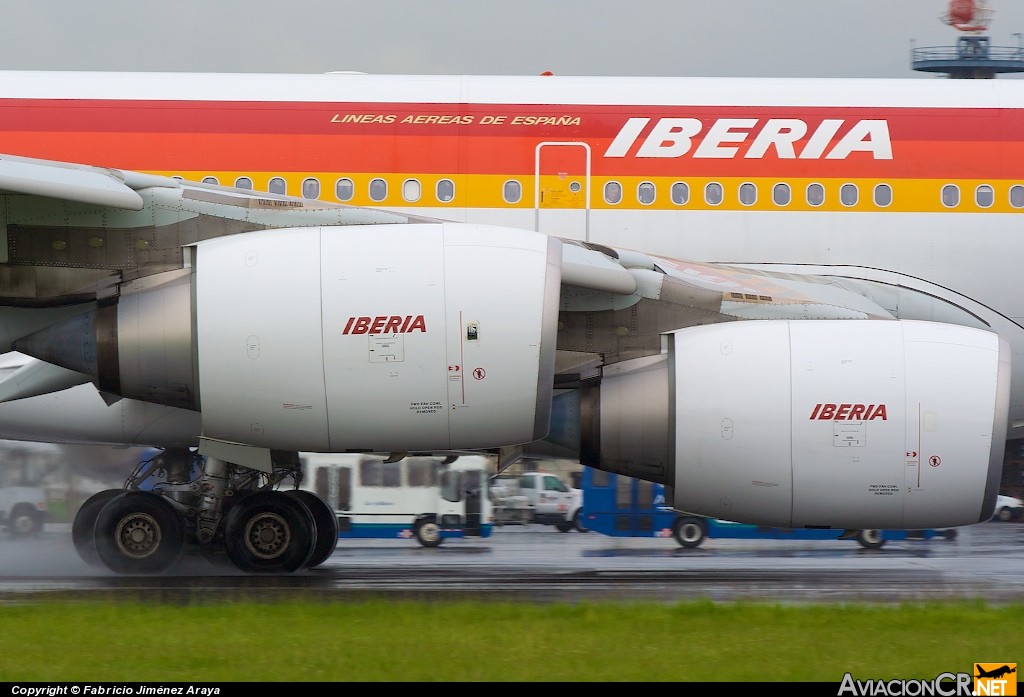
(294, 136)
(274, 153)
(133, 116)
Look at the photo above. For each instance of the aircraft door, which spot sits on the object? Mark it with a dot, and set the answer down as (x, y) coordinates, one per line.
(474, 484)
(635, 505)
(562, 190)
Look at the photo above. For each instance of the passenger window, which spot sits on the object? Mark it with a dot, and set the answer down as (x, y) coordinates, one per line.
(378, 189)
(645, 494)
(848, 194)
(512, 191)
(1017, 196)
(422, 471)
(210, 180)
(883, 195)
(311, 188)
(338, 492)
(680, 193)
(344, 189)
(623, 493)
(713, 193)
(645, 193)
(781, 194)
(411, 190)
(445, 190)
(815, 194)
(950, 195)
(243, 183)
(451, 486)
(373, 472)
(612, 192)
(748, 194)
(984, 196)
(277, 186)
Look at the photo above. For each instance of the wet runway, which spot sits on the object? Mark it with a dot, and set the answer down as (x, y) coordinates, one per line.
(538, 563)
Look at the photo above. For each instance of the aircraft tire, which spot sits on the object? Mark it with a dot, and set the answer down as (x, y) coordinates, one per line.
(139, 532)
(871, 539)
(690, 531)
(269, 532)
(326, 526)
(85, 521)
(427, 532)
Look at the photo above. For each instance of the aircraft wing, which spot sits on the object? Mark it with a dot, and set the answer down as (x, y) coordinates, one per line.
(80, 236)
(74, 232)
(77, 234)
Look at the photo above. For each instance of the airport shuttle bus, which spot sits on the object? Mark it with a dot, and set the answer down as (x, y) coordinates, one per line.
(621, 506)
(429, 499)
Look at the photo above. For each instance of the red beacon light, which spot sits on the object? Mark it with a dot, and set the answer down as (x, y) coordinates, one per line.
(968, 15)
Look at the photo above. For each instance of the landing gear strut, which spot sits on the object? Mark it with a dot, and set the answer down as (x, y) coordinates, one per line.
(179, 501)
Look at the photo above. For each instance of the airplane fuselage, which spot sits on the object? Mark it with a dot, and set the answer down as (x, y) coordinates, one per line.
(909, 183)
(259, 265)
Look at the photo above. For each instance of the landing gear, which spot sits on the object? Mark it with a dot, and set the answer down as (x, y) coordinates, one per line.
(326, 526)
(179, 502)
(138, 532)
(269, 532)
(85, 521)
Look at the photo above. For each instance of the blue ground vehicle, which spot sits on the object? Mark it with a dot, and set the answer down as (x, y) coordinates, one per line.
(621, 506)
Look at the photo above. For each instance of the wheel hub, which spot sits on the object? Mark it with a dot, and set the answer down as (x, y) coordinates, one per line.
(267, 536)
(138, 535)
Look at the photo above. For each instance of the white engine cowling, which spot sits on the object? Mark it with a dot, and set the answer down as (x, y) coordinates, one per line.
(840, 424)
(388, 337)
(410, 337)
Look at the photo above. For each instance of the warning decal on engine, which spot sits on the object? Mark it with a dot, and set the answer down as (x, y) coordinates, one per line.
(883, 489)
(387, 348)
(849, 434)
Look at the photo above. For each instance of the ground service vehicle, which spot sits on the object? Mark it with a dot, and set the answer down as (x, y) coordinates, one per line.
(23, 510)
(1008, 508)
(428, 499)
(729, 287)
(536, 497)
(622, 506)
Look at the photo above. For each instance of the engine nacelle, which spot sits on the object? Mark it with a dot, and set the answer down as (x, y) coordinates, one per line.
(840, 424)
(409, 337)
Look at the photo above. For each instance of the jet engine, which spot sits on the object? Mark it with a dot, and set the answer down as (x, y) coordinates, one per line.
(843, 424)
(409, 337)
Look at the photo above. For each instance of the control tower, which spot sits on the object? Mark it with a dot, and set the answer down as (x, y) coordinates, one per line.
(973, 57)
